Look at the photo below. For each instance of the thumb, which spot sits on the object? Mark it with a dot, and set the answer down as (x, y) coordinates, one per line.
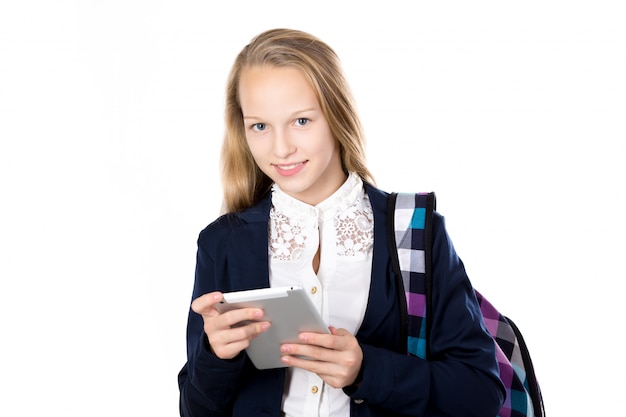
(338, 332)
(204, 304)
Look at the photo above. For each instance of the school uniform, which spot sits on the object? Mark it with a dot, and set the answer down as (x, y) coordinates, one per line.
(461, 379)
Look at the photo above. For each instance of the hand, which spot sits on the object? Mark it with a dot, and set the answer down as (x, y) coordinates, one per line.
(335, 357)
(226, 341)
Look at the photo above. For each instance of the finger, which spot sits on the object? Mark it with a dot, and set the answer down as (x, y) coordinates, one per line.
(241, 333)
(228, 343)
(330, 372)
(308, 362)
(242, 315)
(235, 319)
(339, 332)
(334, 371)
(328, 341)
(310, 352)
(205, 303)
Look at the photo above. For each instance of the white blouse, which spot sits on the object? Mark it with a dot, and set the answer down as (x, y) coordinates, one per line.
(343, 227)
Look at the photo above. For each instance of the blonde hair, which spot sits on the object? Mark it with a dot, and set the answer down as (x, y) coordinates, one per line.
(243, 182)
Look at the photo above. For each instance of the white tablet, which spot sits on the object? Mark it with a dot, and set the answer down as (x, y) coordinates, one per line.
(289, 309)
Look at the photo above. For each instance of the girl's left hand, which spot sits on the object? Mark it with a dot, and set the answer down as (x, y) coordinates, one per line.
(335, 357)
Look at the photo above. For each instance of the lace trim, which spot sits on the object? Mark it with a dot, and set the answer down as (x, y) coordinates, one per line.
(286, 239)
(354, 228)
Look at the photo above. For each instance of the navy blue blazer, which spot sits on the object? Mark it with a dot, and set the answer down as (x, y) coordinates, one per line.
(461, 380)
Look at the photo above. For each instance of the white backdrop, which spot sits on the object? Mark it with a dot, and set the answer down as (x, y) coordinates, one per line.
(110, 123)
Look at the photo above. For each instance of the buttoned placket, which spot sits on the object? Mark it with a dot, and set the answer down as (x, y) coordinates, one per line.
(318, 226)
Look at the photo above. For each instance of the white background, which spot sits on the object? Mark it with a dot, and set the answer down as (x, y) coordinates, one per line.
(111, 118)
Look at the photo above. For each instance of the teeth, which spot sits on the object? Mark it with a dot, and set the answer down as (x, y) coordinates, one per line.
(288, 167)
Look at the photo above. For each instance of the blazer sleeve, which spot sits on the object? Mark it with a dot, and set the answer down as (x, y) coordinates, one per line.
(207, 384)
(461, 377)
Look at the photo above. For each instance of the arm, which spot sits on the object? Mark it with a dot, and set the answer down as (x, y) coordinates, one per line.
(207, 384)
(459, 339)
(461, 379)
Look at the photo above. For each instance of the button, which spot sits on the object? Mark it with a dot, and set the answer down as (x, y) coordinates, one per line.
(313, 290)
(314, 389)
(358, 401)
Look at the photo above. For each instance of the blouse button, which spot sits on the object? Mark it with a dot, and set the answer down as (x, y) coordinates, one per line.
(313, 290)
(314, 389)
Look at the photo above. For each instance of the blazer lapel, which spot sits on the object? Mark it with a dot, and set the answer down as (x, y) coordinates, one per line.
(248, 263)
(382, 304)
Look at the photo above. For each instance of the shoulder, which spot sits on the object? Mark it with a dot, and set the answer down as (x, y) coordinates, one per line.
(231, 224)
(379, 199)
(221, 226)
(373, 191)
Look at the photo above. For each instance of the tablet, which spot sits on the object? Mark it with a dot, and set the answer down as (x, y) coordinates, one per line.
(289, 309)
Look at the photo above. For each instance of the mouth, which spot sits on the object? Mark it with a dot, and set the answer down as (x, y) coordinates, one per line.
(290, 169)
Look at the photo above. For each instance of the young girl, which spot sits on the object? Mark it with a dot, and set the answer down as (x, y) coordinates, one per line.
(301, 209)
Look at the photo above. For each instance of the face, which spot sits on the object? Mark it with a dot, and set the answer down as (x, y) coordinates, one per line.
(287, 133)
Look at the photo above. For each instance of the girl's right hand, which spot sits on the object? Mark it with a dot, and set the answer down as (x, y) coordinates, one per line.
(225, 340)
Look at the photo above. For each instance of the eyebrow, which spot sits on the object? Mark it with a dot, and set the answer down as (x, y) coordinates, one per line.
(292, 114)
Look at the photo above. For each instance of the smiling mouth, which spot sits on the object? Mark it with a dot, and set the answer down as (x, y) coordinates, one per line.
(288, 167)
(289, 170)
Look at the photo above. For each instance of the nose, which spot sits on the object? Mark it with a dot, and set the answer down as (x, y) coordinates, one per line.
(283, 144)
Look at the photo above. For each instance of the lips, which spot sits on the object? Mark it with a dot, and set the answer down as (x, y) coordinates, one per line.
(288, 170)
(288, 167)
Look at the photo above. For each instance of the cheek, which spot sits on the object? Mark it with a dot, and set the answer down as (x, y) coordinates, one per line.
(257, 150)
(253, 146)
(329, 145)
(319, 141)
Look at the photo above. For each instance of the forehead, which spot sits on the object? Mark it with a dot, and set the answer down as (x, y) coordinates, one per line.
(260, 87)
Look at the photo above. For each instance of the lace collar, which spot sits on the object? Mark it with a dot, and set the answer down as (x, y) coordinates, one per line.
(347, 195)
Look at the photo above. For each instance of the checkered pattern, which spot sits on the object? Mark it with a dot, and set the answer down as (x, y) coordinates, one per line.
(509, 355)
(411, 221)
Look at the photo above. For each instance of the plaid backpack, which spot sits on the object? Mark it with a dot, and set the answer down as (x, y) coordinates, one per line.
(410, 237)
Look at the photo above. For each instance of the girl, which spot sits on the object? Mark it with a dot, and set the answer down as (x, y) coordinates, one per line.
(301, 209)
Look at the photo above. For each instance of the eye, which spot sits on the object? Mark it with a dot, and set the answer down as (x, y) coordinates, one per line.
(259, 127)
(302, 121)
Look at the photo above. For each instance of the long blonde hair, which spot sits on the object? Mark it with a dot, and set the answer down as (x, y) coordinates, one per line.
(243, 182)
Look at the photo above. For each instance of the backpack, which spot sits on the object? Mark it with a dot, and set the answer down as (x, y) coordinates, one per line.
(410, 239)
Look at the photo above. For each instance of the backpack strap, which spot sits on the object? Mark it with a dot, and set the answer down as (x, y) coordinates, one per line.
(410, 239)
